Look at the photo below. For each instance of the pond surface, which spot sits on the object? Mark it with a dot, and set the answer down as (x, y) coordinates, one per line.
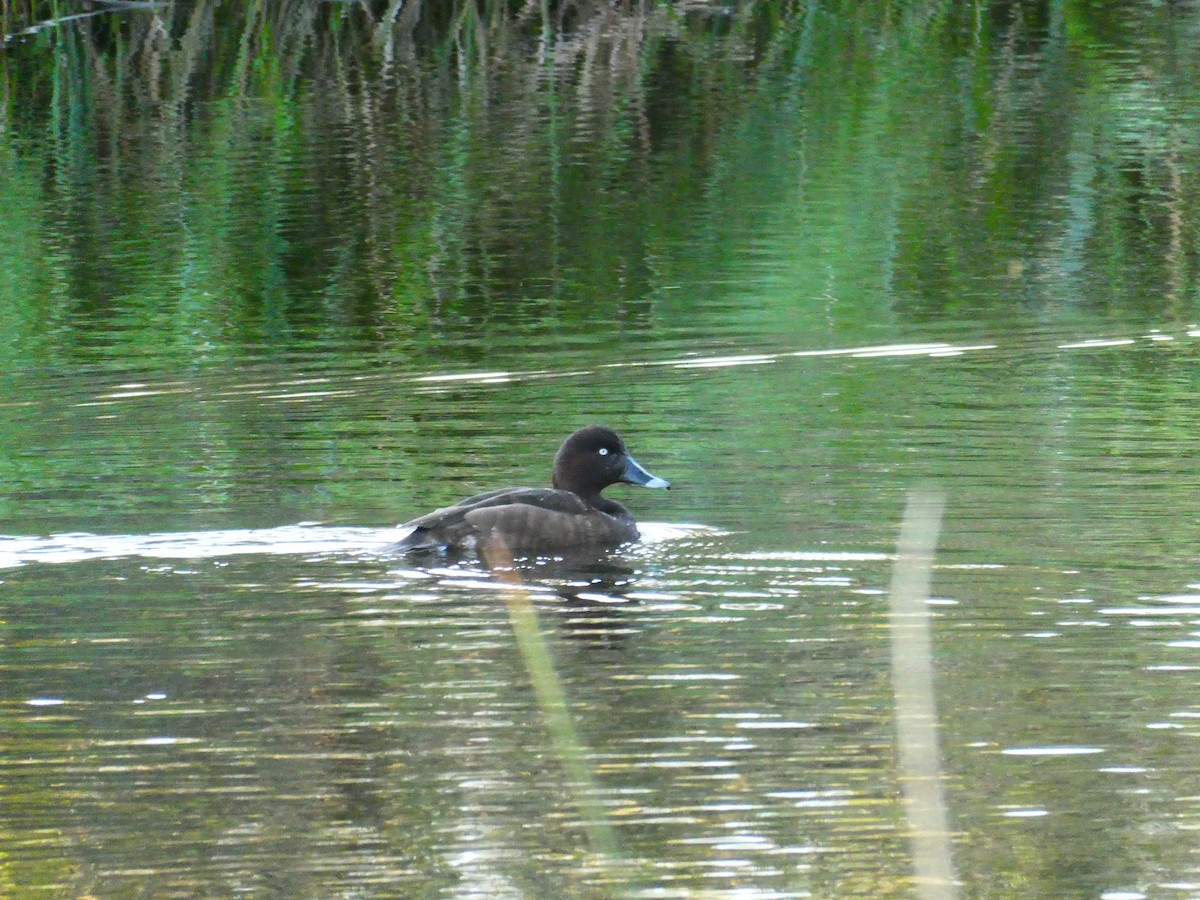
(302, 279)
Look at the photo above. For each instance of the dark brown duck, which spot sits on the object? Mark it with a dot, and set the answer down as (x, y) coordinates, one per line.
(572, 514)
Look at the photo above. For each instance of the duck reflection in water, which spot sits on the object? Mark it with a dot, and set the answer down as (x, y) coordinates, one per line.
(583, 579)
(593, 586)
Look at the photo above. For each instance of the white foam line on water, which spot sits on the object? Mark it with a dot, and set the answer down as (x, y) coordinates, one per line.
(467, 376)
(716, 362)
(1051, 751)
(808, 556)
(309, 395)
(445, 381)
(866, 352)
(878, 350)
(287, 539)
(932, 350)
(1151, 611)
(1098, 342)
(901, 350)
(144, 392)
(304, 538)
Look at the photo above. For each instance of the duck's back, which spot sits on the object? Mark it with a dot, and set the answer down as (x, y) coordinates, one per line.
(527, 518)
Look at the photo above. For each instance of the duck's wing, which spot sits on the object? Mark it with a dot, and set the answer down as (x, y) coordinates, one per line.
(452, 524)
(544, 498)
(448, 515)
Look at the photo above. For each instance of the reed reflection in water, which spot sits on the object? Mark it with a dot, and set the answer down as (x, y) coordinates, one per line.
(276, 278)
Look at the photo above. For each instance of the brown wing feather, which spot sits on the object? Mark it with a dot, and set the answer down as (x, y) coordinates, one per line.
(519, 511)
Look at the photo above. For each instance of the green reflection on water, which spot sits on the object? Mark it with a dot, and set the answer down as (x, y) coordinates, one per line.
(280, 184)
(237, 247)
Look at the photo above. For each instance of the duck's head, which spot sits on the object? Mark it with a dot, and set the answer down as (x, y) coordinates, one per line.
(593, 458)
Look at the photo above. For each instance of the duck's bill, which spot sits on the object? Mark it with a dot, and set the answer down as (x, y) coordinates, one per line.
(635, 474)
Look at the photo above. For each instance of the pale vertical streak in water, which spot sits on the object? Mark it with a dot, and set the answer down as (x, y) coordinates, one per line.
(916, 712)
(552, 700)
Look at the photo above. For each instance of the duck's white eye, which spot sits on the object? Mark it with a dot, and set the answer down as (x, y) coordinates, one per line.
(603, 451)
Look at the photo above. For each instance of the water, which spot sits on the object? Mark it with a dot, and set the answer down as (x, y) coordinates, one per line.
(262, 303)
(294, 693)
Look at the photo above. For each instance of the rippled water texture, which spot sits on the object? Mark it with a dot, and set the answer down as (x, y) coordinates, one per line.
(270, 286)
